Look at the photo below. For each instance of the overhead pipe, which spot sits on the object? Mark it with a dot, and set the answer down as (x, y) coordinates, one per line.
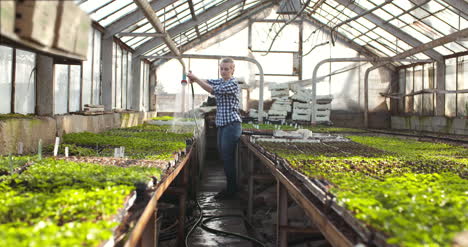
(346, 59)
(242, 58)
(154, 20)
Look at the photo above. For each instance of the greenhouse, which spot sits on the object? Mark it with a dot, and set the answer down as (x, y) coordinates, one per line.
(191, 123)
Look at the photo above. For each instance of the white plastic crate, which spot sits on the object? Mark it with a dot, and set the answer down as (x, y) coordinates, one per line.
(300, 117)
(281, 107)
(324, 99)
(302, 97)
(279, 86)
(302, 111)
(254, 113)
(299, 105)
(319, 107)
(279, 93)
(277, 113)
(323, 113)
(322, 118)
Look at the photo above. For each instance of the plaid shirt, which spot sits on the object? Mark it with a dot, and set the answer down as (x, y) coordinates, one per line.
(227, 101)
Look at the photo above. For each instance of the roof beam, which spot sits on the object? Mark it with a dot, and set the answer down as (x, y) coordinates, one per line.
(194, 16)
(225, 31)
(203, 17)
(133, 17)
(154, 20)
(389, 28)
(125, 34)
(461, 5)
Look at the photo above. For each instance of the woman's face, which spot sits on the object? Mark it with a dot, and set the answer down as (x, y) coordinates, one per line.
(226, 70)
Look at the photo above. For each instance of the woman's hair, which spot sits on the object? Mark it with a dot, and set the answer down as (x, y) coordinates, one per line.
(227, 60)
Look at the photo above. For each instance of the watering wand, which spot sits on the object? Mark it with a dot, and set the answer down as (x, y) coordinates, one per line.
(184, 76)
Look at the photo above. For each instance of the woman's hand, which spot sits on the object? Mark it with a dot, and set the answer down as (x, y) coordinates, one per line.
(202, 82)
(192, 77)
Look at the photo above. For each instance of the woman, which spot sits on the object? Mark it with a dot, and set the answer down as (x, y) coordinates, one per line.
(228, 120)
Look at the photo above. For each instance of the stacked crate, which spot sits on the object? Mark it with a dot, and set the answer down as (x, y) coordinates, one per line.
(323, 108)
(282, 104)
(253, 113)
(302, 109)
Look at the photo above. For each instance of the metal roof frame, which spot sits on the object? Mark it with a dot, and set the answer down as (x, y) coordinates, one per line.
(364, 25)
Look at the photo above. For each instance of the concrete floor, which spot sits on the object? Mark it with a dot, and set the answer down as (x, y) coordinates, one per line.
(213, 181)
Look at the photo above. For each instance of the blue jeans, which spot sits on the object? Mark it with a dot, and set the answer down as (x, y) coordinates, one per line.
(228, 137)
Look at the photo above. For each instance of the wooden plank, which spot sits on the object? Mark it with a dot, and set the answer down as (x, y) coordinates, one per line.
(250, 186)
(282, 214)
(300, 229)
(137, 232)
(330, 232)
(17, 42)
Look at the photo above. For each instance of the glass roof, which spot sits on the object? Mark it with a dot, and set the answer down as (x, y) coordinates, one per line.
(385, 28)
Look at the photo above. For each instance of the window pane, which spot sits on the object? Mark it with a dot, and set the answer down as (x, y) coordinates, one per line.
(118, 78)
(409, 89)
(147, 71)
(401, 87)
(75, 75)
(25, 83)
(462, 105)
(97, 68)
(87, 71)
(124, 80)
(450, 84)
(428, 98)
(61, 89)
(417, 87)
(130, 82)
(6, 62)
(463, 73)
(144, 99)
(462, 98)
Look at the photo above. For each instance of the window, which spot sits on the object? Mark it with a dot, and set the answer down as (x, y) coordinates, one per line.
(462, 84)
(144, 87)
(17, 80)
(418, 84)
(409, 100)
(67, 88)
(61, 78)
(450, 85)
(6, 64)
(123, 80)
(91, 91)
(428, 98)
(419, 77)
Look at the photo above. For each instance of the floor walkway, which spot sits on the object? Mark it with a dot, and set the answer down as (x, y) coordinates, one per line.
(213, 180)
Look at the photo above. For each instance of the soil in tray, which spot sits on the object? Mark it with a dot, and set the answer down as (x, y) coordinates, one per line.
(118, 161)
(329, 149)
